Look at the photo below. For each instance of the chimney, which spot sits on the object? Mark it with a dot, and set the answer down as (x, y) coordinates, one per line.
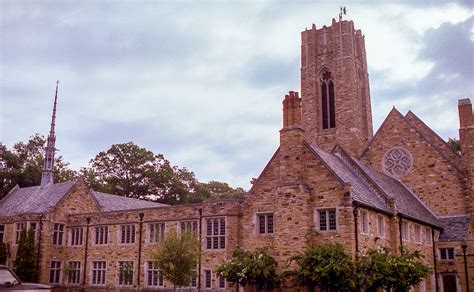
(291, 140)
(466, 126)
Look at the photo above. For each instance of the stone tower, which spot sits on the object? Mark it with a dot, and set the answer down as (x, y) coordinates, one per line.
(335, 87)
(48, 167)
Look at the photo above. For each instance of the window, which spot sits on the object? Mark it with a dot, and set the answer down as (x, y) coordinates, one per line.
(265, 223)
(125, 273)
(417, 233)
(153, 277)
(446, 253)
(328, 103)
(221, 281)
(58, 234)
(380, 226)
(207, 278)
(428, 236)
(74, 272)
(101, 235)
(156, 232)
(215, 233)
(76, 236)
(98, 272)
(2, 232)
(55, 272)
(18, 229)
(193, 282)
(127, 234)
(405, 231)
(191, 226)
(327, 219)
(364, 222)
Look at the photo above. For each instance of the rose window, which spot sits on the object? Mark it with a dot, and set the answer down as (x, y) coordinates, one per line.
(397, 162)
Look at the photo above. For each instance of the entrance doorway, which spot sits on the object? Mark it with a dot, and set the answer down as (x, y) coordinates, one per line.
(449, 283)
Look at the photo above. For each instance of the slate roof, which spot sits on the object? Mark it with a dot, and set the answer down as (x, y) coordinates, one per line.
(109, 202)
(455, 228)
(360, 179)
(33, 200)
(362, 192)
(407, 202)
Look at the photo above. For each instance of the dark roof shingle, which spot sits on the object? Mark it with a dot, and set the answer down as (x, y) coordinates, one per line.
(109, 202)
(455, 228)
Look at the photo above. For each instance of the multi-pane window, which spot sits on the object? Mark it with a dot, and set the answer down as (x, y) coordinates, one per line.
(417, 231)
(127, 234)
(193, 282)
(18, 228)
(328, 104)
(405, 231)
(153, 277)
(58, 233)
(156, 232)
(327, 219)
(125, 273)
(98, 272)
(446, 253)
(265, 223)
(221, 281)
(207, 278)
(2, 232)
(191, 226)
(76, 236)
(55, 272)
(428, 236)
(74, 272)
(101, 235)
(380, 226)
(364, 222)
(215, 233)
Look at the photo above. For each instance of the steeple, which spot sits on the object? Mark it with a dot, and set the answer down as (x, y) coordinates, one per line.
(47, 174)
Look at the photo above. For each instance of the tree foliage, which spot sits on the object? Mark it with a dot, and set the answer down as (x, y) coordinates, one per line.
(325, 266)
(177, 257)
(25, 261)
(455, 144)
(24, 163)
(383, 269)
(3, 253)
(257, 269)
(132, 171)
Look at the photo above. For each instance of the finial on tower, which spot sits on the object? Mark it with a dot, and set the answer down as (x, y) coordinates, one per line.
(50, 150)
(342, 11)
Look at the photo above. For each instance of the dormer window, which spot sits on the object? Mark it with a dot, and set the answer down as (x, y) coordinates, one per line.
(328, 102)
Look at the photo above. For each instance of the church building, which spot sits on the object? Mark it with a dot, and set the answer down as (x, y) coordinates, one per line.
(332, 179)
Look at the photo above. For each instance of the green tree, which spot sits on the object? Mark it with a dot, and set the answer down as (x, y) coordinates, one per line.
(255, 269)
(455, 145)
(24, 163)
(383, 269)
(177, 257)
(3, 253)
(25, 261)
(325, 266)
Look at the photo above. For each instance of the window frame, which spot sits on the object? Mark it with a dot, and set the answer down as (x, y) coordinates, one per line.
(364, 224)
(159, 230)
(417, 233)
(105, 235)
(405, 231)
(102, 271)
(446, 249)
(2, 232)
(57, 272)
(118, 275)
(58, 234)
(266, 227)
(206, 278)
(17, 232)
(130, 228)
(327, 219)
(189, 225)
(159, 278)
(216, 241)
(380, 226)
(75, 270)
(327, 89)
(76, 236)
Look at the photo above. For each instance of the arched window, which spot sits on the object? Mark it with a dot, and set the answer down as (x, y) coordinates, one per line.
(328, 103)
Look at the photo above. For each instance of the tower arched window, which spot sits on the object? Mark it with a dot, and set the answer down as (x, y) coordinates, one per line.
(328, 102)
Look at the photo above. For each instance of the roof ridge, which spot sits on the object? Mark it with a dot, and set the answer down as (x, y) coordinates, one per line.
(310, 146)
(263, 170)
(416, 197)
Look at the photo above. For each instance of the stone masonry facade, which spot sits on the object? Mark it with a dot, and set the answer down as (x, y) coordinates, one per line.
(331, 180)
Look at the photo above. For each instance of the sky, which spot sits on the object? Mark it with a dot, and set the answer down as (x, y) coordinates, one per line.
(202, 81)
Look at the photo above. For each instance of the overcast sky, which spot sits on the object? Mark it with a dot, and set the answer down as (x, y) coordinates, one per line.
(202, 81)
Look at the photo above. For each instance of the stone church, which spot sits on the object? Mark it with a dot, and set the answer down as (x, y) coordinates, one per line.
(331, 180)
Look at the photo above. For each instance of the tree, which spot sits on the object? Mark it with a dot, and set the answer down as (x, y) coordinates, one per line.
(24, 163)
(326, 266)
(257, 269)
(455, 145)
(25, 261)
(3, 253)
(177, 256)
(381, 268)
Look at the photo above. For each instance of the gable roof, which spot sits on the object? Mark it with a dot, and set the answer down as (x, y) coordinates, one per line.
(34, 200)
(109, 202)
(455, 228)
(361, 191)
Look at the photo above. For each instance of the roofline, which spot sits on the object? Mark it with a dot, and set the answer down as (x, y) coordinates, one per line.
(16, 187)
(263, 170)
(402, 215)
(355, 202)
(52, 208)
(310, 147)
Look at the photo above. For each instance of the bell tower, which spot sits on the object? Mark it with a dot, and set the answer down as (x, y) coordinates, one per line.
(335, 87)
